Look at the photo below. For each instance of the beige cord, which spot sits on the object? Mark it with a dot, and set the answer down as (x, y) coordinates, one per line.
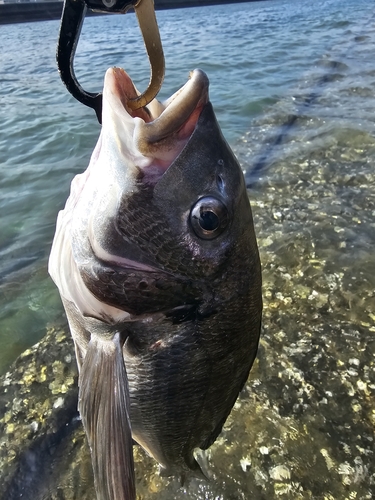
(149, 28)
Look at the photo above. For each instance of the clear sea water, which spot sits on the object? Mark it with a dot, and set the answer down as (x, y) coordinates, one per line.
(257, 55)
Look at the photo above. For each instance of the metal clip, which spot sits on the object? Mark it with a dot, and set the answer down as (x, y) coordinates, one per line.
(73, 15)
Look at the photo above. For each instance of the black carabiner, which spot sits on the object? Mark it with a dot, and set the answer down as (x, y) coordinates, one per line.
(72, 18)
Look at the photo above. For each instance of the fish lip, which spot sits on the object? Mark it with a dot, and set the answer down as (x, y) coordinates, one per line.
(157, 134)
(118, 86)
(177, 111)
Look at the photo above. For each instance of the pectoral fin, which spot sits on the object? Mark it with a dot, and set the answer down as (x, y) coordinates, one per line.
(104, 407)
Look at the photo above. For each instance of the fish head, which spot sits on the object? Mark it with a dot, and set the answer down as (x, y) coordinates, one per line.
(162, 208)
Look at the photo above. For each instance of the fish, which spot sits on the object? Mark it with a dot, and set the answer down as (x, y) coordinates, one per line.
(156, 261)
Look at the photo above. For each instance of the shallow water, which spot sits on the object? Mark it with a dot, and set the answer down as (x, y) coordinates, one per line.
(292, 84)
(259, 57)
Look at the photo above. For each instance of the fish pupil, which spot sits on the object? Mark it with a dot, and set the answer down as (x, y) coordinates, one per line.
(209, 217)
(208, 220)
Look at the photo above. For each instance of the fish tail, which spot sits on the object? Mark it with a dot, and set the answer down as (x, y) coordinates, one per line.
(104, 405)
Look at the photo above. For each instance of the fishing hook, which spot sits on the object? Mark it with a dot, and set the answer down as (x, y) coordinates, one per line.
(72, 18)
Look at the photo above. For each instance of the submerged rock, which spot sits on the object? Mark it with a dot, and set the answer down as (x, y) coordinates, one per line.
(303, 426)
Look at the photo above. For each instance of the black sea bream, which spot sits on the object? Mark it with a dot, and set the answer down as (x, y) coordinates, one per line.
(156, 261)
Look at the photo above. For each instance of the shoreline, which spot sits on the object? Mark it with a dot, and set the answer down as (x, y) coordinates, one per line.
(13, 13)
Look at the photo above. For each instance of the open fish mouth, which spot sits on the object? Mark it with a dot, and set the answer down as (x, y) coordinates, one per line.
(160, 131)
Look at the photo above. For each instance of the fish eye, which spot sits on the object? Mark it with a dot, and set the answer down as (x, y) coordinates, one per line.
(209, 217)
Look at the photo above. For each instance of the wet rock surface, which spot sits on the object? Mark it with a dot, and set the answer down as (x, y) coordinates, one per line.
(303, 427)
(38, 413)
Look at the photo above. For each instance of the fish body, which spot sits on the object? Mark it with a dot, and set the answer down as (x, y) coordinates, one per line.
(156, 261)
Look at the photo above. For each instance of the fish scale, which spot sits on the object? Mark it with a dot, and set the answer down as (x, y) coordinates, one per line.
(121, 289)
(139, 220)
